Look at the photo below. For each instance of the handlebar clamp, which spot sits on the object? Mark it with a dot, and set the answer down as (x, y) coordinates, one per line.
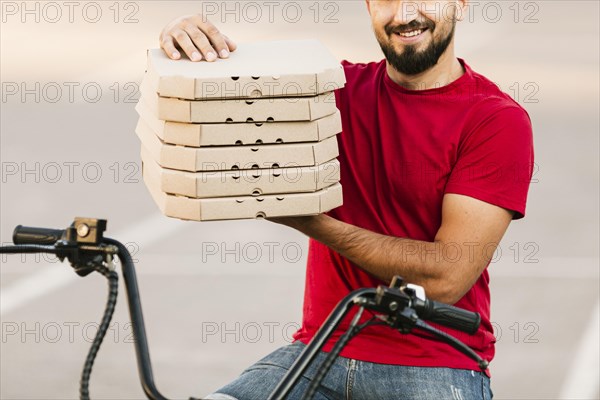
(81, 243)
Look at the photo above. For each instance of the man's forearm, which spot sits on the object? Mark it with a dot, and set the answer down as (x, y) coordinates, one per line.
(384, 256)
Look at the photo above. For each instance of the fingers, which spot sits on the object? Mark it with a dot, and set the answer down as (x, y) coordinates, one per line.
(169, 48)
(214, 36)
(230, 43)
(186, 44)
(197, 37)
(201, 42)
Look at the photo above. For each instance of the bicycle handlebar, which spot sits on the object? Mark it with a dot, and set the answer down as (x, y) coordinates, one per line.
(449, 316)
(29, 235)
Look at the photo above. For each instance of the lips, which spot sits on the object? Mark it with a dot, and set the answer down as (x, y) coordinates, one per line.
(411, 33)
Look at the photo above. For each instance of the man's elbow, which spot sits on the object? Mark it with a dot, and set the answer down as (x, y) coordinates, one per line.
(446, 290)
(444, 295)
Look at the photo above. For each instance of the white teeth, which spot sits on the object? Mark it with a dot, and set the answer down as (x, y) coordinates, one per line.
(411, 33)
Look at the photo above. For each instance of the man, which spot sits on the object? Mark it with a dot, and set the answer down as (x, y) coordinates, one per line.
(435, 163)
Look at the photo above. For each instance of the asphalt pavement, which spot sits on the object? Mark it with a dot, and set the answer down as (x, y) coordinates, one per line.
(218, 296)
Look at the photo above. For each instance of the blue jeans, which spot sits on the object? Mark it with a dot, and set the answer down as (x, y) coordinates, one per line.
(352, 379)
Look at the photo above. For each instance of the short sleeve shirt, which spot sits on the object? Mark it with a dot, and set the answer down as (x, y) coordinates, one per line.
(401, 151)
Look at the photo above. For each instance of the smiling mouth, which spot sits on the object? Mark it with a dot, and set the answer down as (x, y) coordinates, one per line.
(414, 32)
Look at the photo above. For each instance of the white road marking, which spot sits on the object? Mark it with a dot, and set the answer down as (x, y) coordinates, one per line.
(56, 276)
(26, 290)
(582, 381)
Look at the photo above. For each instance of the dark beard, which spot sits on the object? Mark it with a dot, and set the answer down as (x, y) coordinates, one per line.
(411, 61)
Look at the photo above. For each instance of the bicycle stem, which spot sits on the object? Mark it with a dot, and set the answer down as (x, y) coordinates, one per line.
(309, 354)
(137, 320)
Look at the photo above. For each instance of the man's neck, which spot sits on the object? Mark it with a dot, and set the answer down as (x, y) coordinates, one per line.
(447, 70)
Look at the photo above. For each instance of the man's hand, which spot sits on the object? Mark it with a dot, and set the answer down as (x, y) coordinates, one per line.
(447, 267)
(197, 37)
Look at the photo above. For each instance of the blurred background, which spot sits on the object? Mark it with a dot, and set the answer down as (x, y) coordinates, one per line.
(219, 296)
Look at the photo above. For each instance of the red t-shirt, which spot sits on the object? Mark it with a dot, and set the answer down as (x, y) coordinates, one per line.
(400, 152)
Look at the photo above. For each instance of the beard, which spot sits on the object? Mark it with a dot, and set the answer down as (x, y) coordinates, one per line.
(411, 61)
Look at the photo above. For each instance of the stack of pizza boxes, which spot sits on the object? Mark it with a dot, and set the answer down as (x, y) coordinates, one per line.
(252, 136)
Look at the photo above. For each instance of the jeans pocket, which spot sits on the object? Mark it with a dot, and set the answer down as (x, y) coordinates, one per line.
(486, 388)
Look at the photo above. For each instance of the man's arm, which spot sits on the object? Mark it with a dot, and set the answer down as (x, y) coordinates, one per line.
(447, 267)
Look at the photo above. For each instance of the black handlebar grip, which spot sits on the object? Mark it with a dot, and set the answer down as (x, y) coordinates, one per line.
(450, 316)
(42, 236)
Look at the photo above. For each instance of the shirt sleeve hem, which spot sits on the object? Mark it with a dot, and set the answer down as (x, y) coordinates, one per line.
(519, 209)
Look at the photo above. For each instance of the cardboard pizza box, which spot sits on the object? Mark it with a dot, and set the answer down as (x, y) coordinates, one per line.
(243, 207)
(261, 69)
(238, 110)
(242, 182)
(236, 157)
(202, 135)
